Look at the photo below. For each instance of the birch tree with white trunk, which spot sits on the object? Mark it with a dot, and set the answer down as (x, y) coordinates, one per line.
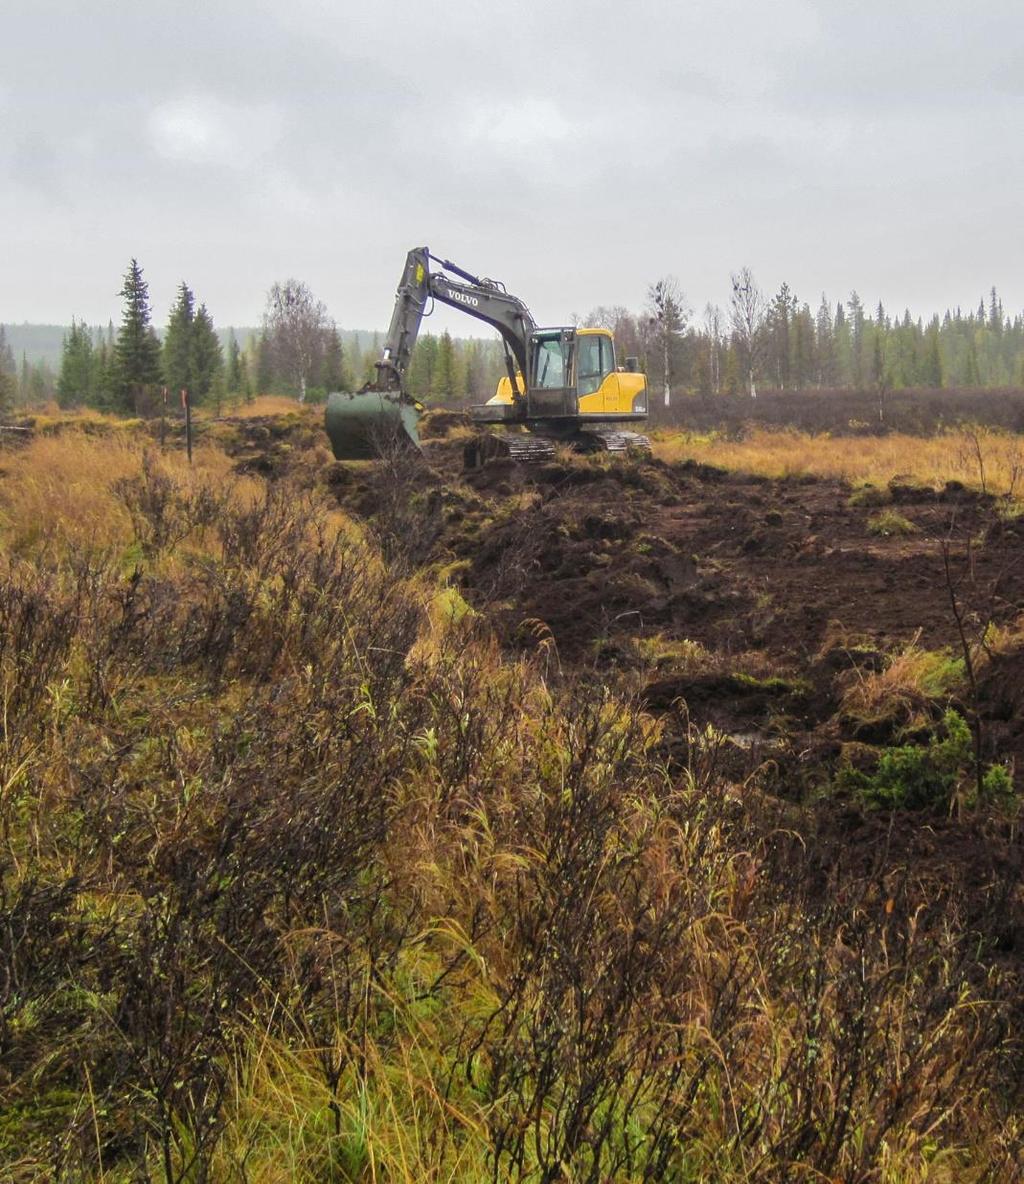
(747, 314)
(297, 328)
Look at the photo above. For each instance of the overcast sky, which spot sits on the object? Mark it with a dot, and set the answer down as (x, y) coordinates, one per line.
(576, 150)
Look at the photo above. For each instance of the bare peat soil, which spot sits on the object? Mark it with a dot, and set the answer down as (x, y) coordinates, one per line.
(620, 566)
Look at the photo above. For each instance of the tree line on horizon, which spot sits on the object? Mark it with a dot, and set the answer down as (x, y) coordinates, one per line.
(297, 348)
(297, 351)
(779, 343)
(757, 343)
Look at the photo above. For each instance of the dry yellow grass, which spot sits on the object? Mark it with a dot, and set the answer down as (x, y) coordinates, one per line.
(911, 679)
(982, 457)
(269, 405)
(59, 489)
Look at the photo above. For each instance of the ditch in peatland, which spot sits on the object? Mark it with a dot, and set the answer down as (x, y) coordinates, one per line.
(593, 821)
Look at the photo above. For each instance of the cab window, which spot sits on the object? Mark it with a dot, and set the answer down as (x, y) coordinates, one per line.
(607, 356)
(588, 366)
(550, 362)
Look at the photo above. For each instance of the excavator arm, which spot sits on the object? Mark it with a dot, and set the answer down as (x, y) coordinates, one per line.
(484, 299)
(359, 424)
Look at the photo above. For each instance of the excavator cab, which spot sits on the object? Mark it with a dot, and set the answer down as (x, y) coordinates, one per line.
(572, 376)
(551, 392)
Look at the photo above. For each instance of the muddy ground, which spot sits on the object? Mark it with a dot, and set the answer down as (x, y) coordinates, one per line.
(749, 603)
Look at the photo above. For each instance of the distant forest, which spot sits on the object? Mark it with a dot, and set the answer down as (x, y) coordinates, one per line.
(758, 343)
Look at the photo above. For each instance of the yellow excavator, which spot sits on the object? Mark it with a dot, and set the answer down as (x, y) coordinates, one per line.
(562, 386)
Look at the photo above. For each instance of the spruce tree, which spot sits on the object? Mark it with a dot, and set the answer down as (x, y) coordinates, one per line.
(8, 373)
(354, 363)
(234, 374)
(332, 376)
(995, 312)
(878, 363)
(972, 376)
(244, 381)
(804, 360)
(77, 367)
(422, 365)
(443, 384)
(7, 363)
(856, 323)
(475, 379)
(177, 349)
(931, 368)
(191, 352)
(206, 358)
(781, 316)
(826, 346)
(264, 366)
(137, 349)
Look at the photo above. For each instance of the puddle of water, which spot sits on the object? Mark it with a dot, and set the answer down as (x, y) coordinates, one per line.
(748, 740)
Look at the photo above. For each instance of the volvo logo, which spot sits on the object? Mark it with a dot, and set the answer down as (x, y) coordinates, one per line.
(462, 298)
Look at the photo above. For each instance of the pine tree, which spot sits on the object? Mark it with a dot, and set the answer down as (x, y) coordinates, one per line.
(137, 349)
(459, 387)
(105, 381)
(356, 364)
(42, 383)
(931, 369)
(422, 364)
(177, 349)
(878, 363)
(8, 373)
(264, 366)
(780, 320)
(668, 314)
(443, 384)
(77, 368)
(804, 361)
(826, 347)
(332, 377)
(234, 374)
(995, 312)
(244, 382)
(7, 362)
(205, 359)
(191, 353)
(972, 376)
(856, 323)
(841, 338)
(372, 357)
(475, 378)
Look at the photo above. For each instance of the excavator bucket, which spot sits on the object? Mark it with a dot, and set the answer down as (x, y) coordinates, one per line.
(371, 424)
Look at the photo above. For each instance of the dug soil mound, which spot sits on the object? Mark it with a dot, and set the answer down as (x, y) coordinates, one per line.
(731, 561)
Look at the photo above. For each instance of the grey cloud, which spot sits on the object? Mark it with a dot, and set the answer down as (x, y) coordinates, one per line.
(575, 149)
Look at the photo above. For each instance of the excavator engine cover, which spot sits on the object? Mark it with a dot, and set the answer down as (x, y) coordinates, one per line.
(370, 424)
